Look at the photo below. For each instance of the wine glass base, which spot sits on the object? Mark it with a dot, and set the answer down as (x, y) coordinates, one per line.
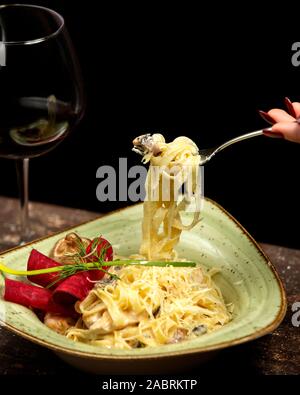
(10, 229)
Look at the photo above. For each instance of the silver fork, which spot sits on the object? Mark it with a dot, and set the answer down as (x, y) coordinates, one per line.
(207, 154)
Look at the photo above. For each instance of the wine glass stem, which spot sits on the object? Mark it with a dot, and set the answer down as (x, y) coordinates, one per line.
(22, 166)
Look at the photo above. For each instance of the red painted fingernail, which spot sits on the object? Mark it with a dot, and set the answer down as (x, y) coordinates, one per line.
(290, 107)
(266, 117)
(277, 135)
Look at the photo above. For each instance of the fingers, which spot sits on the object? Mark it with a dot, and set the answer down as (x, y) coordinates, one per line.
(290, 108)
(285, 126)
(280, 115)
(296, 106)
(290, 130)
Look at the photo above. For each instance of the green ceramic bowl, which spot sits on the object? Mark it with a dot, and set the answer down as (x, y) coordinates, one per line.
(247, 279)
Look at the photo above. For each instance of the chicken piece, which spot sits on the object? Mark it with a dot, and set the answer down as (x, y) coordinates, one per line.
(179, 335)
(58, 323)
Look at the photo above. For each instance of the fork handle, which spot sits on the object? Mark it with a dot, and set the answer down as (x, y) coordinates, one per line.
(240, 138)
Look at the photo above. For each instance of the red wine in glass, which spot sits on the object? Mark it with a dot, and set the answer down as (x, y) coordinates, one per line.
(41, 91)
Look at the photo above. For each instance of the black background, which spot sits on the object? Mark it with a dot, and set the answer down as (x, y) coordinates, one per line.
(180, 70)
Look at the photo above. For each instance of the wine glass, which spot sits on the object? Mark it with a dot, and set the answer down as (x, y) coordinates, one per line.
(41, 92)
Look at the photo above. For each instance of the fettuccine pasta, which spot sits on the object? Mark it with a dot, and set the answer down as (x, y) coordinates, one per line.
(152, 306)
(177, 163)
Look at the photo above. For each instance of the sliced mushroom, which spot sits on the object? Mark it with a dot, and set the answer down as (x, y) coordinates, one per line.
(67, 248)
(200, 330)
(144, 144)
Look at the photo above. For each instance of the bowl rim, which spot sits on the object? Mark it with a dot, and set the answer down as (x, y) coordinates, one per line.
(214, 347)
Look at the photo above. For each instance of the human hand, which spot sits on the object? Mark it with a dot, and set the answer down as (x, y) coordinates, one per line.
(285, 123)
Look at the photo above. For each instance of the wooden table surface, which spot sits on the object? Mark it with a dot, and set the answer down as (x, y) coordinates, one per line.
(276, 353)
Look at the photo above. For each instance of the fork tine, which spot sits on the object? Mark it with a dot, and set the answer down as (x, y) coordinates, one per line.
(206, 152)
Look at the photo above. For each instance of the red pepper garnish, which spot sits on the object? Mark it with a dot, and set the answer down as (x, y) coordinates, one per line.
(29, 295)
(78, 286)
(36, 261)
(103, 249)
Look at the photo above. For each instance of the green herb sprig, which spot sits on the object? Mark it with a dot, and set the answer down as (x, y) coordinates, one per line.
(81, 265)
(71, 269)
